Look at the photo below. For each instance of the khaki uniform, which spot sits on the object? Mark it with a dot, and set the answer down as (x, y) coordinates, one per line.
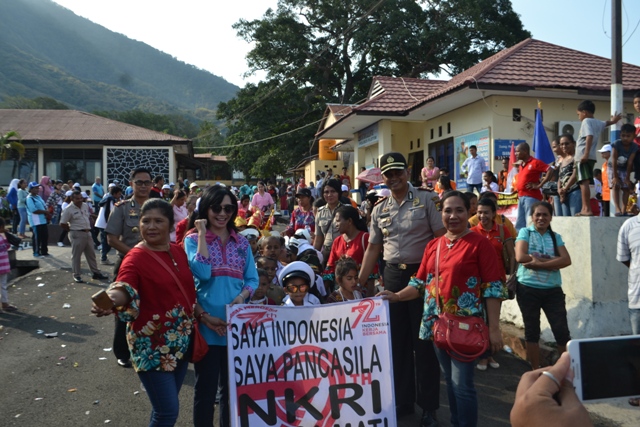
(326, 227)
(80, 237)
(405, 229)
(124, 222)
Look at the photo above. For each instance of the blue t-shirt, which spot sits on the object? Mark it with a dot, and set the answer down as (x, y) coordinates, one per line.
(623, 154)
(540, 246)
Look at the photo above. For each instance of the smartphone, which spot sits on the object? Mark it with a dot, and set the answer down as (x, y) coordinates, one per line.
(102, 300)
(605, 368)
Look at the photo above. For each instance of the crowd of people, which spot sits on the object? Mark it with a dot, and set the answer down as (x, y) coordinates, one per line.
(429, 249)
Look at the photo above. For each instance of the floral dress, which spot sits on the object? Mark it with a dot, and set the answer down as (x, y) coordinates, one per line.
(158, 318)
(299, 220)
(469, 273)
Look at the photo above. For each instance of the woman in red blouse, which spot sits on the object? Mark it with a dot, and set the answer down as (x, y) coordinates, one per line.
(158, 313)
(352, 242)
(469, 279)
(491, 230)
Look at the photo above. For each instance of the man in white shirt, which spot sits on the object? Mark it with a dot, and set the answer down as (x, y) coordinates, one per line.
(628, 253)
(474, 167)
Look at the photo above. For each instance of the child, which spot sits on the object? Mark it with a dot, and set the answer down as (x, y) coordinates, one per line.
(275, 291)
(260, 294)
(5, 269)
(489, 182)
(297, 278)
(251, 234)
(347, 280)
(271, 247)
(586, 147)
(623, 153)
(605, 152)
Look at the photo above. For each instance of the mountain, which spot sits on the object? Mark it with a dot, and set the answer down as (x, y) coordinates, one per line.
(47, 50)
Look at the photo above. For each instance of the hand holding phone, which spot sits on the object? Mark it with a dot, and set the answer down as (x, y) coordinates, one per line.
(102, 303)
(540, 399)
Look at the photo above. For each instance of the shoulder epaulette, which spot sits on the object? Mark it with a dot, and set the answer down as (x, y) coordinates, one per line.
(120, 203)
(381, 200)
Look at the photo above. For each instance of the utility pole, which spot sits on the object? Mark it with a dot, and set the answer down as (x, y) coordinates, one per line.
(616, 74)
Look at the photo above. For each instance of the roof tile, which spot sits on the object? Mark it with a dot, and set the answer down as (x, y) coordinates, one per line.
(72, 125)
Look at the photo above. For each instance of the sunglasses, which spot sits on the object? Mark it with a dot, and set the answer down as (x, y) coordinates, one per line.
(296, 288)
(228, 209)
(142, 183)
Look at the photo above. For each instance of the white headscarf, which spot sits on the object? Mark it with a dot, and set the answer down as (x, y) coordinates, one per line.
(14, 184)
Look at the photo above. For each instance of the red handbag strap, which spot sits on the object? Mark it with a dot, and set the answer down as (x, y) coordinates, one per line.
(438, 274)
(169, 270)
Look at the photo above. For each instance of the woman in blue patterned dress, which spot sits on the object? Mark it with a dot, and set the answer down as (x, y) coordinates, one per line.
(225, 273)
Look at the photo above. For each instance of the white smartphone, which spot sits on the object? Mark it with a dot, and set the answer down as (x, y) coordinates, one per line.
(605, 368)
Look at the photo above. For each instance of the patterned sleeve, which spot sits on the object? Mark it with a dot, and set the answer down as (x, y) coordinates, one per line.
(419, 281)
(129, 312)
(492, 286)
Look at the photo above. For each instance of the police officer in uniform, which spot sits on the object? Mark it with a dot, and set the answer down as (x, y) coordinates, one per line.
(401, 226)
(326, 230)
(123, 233)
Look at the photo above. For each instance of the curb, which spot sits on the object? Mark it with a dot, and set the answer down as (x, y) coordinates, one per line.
(514, 338)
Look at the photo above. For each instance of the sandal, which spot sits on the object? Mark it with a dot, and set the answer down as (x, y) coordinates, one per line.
(634, 401)
(9, 307)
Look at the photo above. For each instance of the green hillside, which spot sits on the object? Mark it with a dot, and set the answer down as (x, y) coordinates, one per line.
(47, 50)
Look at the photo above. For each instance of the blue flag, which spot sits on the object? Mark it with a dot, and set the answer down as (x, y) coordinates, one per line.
(541, 147)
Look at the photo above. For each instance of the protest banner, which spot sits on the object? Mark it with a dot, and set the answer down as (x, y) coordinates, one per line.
(324, 366)
(508, 206)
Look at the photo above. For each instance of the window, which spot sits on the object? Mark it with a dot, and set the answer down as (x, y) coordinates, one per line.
(439, 131)
(73, 165)
(442, 151)
(448, 128)
(25, 168)
(432, 133)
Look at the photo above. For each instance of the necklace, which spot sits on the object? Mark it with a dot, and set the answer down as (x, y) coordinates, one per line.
(455, 239)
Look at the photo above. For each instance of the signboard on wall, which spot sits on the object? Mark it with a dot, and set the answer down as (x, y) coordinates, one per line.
(461, 146)
(502, 147)
(368, 136)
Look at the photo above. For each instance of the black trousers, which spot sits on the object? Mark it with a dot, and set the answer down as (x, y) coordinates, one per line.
(120, 346)
(41, 239)
(416, 371)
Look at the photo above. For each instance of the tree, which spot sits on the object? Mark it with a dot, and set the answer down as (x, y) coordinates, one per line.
(39, 103)
(280, 126)
(336, 47)
(10, 143)
(172, 124)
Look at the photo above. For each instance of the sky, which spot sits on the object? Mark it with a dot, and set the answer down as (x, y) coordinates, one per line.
(199, 32)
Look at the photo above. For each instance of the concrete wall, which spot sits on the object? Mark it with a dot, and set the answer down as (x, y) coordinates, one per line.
(595, 283)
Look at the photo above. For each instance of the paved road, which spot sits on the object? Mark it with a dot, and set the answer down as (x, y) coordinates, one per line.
(71, 380)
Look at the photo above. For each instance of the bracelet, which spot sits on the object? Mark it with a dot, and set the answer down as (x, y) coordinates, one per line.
(199, 316)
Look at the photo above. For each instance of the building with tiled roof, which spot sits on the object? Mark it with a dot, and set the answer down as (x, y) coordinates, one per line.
(490, 105)
(78, 146)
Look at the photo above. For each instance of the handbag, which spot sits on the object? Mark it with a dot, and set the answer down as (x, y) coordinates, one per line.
(550, 188)
(465, 338)
(198, 345)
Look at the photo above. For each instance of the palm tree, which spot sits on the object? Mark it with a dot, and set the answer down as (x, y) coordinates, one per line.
(10, 142)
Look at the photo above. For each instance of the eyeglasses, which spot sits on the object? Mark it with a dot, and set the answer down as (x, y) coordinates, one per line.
(228, 209)
(142, 183)
(296, 288)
